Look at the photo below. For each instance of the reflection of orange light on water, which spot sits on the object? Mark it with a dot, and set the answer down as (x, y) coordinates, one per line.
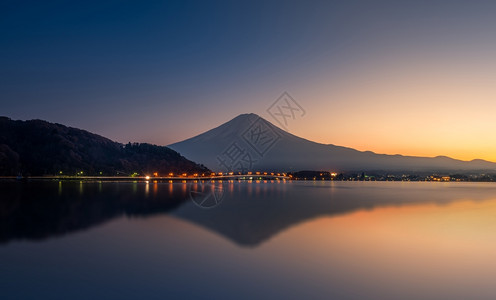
(423, 242)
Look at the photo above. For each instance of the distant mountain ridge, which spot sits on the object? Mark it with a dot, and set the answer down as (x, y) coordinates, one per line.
(38, 147)
(283, 151)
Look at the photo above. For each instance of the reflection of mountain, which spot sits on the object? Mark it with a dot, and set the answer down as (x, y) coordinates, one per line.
(249, 214)
(271, 148)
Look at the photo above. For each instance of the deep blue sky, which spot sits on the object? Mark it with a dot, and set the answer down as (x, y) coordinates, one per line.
(162, 71)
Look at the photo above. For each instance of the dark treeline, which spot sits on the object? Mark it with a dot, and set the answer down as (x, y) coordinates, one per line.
(37, 147)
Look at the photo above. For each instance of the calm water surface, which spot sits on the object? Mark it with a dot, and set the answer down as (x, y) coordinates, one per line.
(287, 240)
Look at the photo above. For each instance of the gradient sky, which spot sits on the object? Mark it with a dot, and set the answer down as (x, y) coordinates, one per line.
(409, 77)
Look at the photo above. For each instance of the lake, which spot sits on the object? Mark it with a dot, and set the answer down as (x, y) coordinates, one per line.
(247, 240)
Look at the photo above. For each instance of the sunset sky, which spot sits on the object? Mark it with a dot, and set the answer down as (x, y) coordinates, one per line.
(408, 77)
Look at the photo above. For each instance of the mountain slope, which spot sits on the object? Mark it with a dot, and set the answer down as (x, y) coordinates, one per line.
(37, 147)
(282, 151)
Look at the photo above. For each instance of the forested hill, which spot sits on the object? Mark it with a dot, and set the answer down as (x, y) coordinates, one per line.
(37, 147)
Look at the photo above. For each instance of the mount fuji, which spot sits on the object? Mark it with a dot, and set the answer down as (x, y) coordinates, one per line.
(251, 143)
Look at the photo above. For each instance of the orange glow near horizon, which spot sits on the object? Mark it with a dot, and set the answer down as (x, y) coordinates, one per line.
(413, 104)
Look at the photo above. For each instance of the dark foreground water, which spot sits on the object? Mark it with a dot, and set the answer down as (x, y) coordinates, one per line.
(286, 240)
